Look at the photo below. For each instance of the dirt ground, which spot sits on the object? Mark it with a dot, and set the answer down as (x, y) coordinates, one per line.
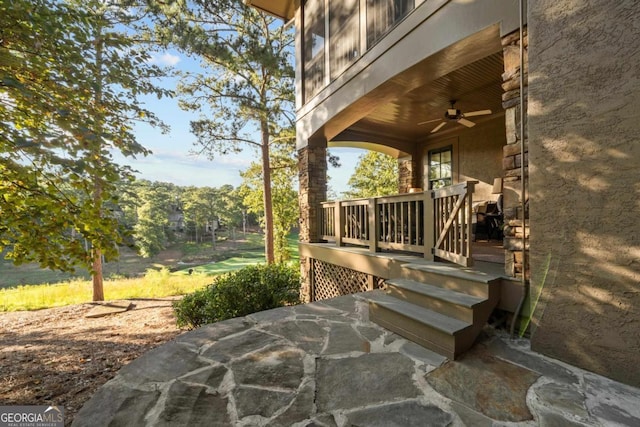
(58, 356)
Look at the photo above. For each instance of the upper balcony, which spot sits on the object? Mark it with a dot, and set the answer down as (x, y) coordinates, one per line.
(335, 34)
(369, 71)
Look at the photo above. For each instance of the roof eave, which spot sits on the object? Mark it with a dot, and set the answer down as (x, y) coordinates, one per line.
(283, 9)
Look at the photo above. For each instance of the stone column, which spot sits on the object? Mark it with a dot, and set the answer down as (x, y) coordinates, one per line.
(408, 174)
(312, 172)
(512, 155)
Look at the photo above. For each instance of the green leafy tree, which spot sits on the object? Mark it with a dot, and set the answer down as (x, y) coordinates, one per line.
(199, 206)
(376, 174)
(68, 97)
(229, 206)
(285, 198)
(155, 202)
(247, 92)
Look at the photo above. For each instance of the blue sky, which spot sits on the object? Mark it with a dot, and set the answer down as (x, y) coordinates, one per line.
(173, 159)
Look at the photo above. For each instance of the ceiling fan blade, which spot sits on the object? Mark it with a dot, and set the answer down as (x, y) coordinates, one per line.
(428, 121)
(477, 113)
(437, 128)
(466, 123)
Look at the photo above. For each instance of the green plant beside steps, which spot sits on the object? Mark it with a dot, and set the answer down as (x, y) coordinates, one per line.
(239, 293)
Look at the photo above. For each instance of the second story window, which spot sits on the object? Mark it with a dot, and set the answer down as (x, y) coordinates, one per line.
(382, 15)
(314, 47)
(344, 34)
(440, 168)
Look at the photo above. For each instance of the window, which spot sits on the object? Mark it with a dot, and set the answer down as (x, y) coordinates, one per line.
(332, 41)
(344, 34)
(314, 47)
(382, 15)
(440, 168)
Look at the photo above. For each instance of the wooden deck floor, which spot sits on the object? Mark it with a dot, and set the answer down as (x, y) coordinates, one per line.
(488, 251)
(488, 256)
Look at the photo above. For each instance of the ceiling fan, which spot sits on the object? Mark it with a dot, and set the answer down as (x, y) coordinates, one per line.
(453, 114)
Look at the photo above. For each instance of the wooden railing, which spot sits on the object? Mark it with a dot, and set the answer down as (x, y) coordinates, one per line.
(390, 222)
(436, 222)
(402, 222)
(350, 218)
(327, 221)
(452, 213)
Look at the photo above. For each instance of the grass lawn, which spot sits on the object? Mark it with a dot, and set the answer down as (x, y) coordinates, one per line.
(155, 284)
(29, 287)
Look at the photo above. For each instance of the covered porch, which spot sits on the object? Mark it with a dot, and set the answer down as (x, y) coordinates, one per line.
(365, 242)
(446, 168)
(445, 115)
(418, 246)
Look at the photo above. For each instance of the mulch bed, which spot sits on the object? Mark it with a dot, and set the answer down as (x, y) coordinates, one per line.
(60, 357)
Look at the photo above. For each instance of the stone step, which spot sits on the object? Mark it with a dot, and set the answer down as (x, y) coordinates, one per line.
(443, 334)
(464, 280)
(441, 300)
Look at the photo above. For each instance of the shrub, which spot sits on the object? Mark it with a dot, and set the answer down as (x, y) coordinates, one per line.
(239, 293)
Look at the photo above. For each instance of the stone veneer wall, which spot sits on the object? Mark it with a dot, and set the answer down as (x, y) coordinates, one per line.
(584, 154)
(512, 155)
(312, 173)
(408, 169)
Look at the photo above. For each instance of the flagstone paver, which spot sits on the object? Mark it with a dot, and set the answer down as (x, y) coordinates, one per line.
(325, 364)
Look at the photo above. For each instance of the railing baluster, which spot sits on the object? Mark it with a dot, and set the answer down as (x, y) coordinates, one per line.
(403, 231)
(457, 229)
(339, 223)
(418, 222)
(372, 225)
(396, 218)
(411, 221)
(388, 236)
(362, 221)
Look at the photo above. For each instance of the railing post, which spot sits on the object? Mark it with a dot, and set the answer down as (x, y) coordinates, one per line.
(429, 225)
(338, 223)
(471, 185)
(372, 214)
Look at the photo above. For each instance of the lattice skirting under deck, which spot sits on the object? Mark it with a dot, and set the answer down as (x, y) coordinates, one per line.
(330, 280)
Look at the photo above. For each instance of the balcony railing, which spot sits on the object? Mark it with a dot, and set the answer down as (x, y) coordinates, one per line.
(435, 222)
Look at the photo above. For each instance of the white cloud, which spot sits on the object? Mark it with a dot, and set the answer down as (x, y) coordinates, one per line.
(165, 59)
(197, 161)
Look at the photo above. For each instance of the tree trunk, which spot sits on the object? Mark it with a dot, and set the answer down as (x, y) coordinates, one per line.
(96, 274)
(98, 289)
(96, 253)
(268, 206)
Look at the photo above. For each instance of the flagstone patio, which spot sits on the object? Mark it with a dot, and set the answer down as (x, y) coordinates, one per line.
(325, 364)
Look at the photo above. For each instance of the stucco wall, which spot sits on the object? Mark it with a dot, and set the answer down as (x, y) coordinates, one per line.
(584, 142)
(477, 155)
(481, 156)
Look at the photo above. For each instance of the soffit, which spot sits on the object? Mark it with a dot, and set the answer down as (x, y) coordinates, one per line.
(476, 86)
(284, 9)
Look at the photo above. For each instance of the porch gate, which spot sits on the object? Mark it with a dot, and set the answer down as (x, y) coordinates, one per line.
(452, 213)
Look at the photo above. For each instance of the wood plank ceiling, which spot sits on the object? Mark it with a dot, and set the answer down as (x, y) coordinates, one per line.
(476, 86)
